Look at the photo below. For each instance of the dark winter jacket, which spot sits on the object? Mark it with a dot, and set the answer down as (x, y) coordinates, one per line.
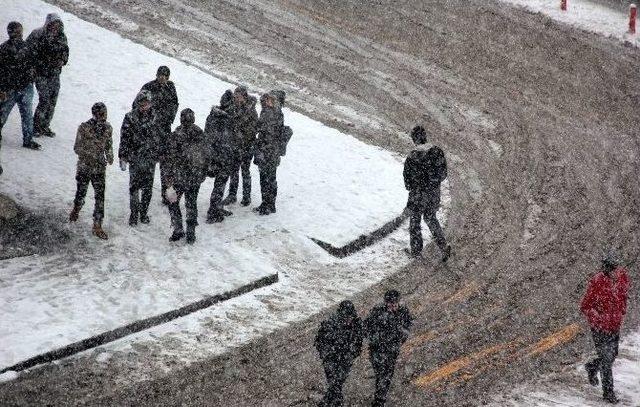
(16, 65)
(185, 159)
(605, 302)
(49, 53)
(338, 341)
(270, 130)
(387, 330)
(139, 138)
(164, 102)
(245, 123)
(424, 170)
(225, 145)
(94, 146)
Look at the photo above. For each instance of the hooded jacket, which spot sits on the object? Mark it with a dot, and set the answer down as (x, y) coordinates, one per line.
(165, 102)
(139, 136)
(185, 158)
(16, 65)
(387, 330)
(224, 144)
(338, 341)
(270, 128)
(245, 122)
(605, 302)
(49, 53)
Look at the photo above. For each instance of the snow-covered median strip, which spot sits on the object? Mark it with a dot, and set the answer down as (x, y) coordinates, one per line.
(331, 186)
(583, 14)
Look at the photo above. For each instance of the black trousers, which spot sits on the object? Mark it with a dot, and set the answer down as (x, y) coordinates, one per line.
(424, 205)
(269, 184)
(244, 167)
(190, 204)
(97, 180)
(336, 372)
(141, 187)
(384, 364)
(166, 133)
(607, 349)
(215, 201)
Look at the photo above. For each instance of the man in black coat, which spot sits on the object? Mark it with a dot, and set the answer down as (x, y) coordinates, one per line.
(387, 328)
(165, 108)
(268, 150)
(49, 49)
(225, 149)
(140, 149)
(339, 343)
(424, 170)
(17, 71)
(245, 122)
(185, 162)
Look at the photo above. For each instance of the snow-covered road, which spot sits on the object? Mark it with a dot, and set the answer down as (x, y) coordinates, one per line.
(331, 186)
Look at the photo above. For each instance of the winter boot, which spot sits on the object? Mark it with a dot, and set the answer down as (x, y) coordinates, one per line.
(446, 253)
(225, 212)
(49, 133)
(98, 232)
(145, 219)
(73, 216)
(133, 220)
(31, 145)
(592, 374)
(230, 199)
(214, 216)
(177, 235)
(246, 201)
(611, 398)
(191, 233)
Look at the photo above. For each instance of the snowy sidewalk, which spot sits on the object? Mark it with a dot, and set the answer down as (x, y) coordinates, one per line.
(585, 15)
(626, 373)
(331, 187)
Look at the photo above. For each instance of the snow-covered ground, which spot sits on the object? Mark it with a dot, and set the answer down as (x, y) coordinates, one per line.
(552, 393)
(331, 186)
(585, 15)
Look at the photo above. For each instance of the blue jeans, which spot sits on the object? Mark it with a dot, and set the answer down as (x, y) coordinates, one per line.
(23, 98)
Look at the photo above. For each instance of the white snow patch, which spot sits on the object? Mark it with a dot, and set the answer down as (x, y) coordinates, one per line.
(331, 186)
(8, 376)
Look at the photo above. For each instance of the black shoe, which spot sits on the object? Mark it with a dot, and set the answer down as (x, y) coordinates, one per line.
(611, 398)
(245, 201)
(592, 374)
(225, 212)
(48, 133)
(446, 253)
(229, 200)
(32, 145)
(133, 220)
(191, 235)
(145, 219)
(0, 169)
(215, 218)
(264, 210)
(177, 235)
(411, 253)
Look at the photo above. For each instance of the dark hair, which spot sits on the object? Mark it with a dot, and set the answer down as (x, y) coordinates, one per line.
(12, 27)
(392, 296)
(164, 71)
(98, 107)
(226, 100)
(419, 135)
(346, 310)
(187, 116)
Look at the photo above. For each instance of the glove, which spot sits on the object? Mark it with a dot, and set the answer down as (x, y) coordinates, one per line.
(123, 165)
(171, 195)
(3, 96)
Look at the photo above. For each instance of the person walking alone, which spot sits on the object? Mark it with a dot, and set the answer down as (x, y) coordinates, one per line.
(605, 305)
(424, 170)
(387, 328)
(339, 343)
(94, 149)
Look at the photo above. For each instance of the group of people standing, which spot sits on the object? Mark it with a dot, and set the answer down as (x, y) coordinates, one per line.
(234, 136)
(38, 60)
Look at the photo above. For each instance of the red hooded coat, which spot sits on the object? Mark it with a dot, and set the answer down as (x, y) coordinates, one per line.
(605, 301)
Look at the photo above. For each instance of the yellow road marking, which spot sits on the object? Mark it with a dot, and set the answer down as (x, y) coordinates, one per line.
(560, 337)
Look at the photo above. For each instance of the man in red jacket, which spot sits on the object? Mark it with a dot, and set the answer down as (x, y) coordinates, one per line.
(604, 305)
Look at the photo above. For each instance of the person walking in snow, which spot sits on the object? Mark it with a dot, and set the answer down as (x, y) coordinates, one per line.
(165, 108)
(140, 146)
(225, 149)
(339, 343)
(424, 170)
(269, 149)
(387, 328)
(245, 121)
(185, 163)
(94, 149)
(17, 72)
(604, 305)
(49, 49)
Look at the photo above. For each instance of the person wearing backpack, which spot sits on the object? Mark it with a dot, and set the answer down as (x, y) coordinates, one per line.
(424, 170)
(273, 136)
